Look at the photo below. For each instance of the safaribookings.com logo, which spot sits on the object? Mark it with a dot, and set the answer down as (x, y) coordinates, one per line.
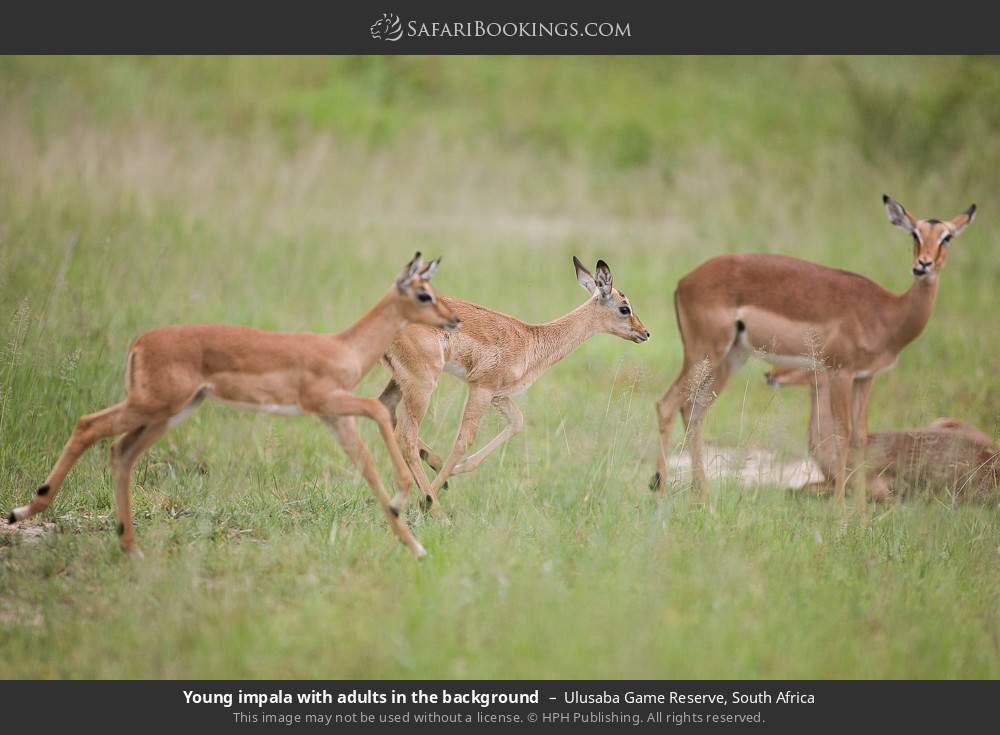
(387, 28)
(390, 28)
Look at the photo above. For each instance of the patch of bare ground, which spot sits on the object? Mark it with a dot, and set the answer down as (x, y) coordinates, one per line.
(750, 466)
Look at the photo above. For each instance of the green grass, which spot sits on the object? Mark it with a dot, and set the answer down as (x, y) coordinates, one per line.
(286, 193)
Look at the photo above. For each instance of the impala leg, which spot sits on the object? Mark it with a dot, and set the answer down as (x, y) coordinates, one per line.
(124, 454)
(666, 409)
(332, 404)
(475, 406)
(432, 458)
(88, 430)
(708, 382)
(515, 425)
(840, 410)
(416, 399)
(390, 397)
(859, 442)
(347, 435)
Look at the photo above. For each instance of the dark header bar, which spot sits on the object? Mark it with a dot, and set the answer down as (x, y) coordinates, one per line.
(518, 27)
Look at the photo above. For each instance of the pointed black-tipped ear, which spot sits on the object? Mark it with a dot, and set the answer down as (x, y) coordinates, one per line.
(428, 272)
(897, 214)
(584, 277)
(411, 269)
(960, 222)
(602, 275)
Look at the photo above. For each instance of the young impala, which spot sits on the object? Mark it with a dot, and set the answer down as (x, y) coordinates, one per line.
(170, 371)
(945, 453)
(792, 312)
(498, 356)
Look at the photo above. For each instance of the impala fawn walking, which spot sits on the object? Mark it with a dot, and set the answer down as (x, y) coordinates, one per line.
(792, 312)
(170, 371)
(498, 356)
(946, 453)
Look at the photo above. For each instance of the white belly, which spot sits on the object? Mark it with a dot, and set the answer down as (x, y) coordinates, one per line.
(278, 409)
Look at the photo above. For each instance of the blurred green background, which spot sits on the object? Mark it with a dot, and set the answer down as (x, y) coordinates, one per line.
(286, 194)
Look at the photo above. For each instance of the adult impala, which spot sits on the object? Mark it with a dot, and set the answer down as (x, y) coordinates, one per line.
(170, 371)
(498, 356)
(946, 453)
(791, 312)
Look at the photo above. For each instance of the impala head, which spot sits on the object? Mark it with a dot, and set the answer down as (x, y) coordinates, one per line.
(615, 314)
(931, 237)
(418, 302)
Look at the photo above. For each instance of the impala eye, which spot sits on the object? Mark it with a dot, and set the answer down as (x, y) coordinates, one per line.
(424, 296)
(946, 239)
(625, 310)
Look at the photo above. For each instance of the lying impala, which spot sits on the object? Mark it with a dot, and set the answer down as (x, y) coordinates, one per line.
(170, 371)
(792, 312)
(498, 356)
(945, 453)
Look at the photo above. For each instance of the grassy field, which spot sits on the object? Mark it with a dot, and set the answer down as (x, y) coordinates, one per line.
(287, 193)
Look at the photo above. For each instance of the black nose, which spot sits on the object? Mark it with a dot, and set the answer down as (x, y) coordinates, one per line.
(648, 334)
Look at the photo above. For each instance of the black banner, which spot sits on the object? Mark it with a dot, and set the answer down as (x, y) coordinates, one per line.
(229, 706)
(455, 27)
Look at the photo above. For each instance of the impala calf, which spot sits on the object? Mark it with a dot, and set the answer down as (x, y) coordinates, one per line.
(498, 356)
(170, 371)
(945, 453)
(792, 312)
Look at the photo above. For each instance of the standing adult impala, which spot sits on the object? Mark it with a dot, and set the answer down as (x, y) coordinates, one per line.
(791, 312)
(498, 356)
(171, 370)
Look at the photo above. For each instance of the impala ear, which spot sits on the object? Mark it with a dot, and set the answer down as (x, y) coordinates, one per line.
(961, 221)
(584, 277)
(898, 215)
(603, 278)
(411, 269)
(428, 272)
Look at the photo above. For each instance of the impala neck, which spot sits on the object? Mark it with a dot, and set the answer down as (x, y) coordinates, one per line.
(554, 340)
(914, 310)
(372, 334)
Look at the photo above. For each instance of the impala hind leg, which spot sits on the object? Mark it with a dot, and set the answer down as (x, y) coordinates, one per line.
(707, 379)
(124, 454)
(347, 434)
(515, 424)
(88, 430)
(666, 409)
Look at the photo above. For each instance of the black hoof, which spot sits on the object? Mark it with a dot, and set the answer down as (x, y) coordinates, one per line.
(11, 519)
(655, 481)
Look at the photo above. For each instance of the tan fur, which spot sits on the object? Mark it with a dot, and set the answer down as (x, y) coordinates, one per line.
(947, 453)
(171, 370)
(786, 310)
(498, 356)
